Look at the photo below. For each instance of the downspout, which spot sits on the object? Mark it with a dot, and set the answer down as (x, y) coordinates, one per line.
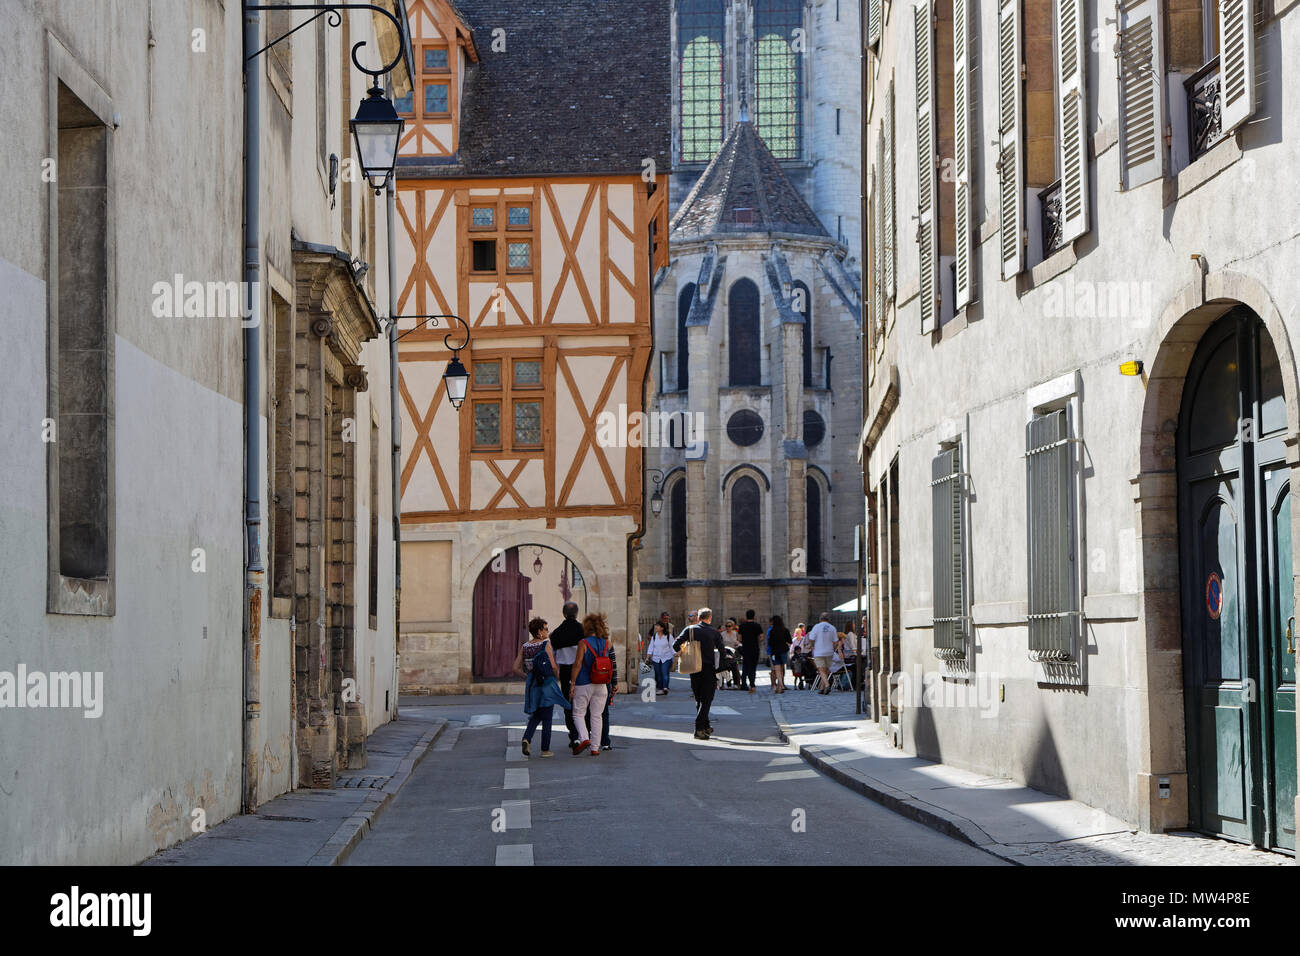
(395, 427)
(254, 570)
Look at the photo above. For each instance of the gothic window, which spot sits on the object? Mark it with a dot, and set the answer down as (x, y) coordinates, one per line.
(816, 568)
(778, 86)
(746, 527)
(683, 340)
(803, 305)
(677, 530)
(700, 27)
(743, 347)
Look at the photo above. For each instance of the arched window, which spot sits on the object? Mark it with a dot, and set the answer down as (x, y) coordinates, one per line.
(683, 340)
(742, 334)
(746, 527)
(803, 297)
(816, 568)
(677, 529)
(700, 26)
(778, 83)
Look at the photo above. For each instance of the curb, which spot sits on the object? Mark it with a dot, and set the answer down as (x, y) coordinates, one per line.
(899, 801)
(345, 839)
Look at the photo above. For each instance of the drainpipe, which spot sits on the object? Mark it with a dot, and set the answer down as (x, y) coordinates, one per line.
(254, 570)
(395, 427)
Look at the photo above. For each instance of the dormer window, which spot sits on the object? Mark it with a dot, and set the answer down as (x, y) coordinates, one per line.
(435, 59)
(437, 101)
(744, 216)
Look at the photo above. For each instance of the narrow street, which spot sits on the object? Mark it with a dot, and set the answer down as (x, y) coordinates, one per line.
(660, 797)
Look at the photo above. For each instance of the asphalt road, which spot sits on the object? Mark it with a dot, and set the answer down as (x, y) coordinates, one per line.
(659, 797)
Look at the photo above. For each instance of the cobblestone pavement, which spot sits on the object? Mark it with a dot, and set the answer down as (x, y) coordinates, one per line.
(825, 722)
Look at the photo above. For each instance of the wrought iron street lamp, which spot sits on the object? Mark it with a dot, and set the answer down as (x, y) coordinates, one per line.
(657, 498)
(455, 377)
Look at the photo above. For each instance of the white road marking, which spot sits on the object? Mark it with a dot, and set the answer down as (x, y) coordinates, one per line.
(514, 753)
(518, 814)
(516, 780)
(484, 720)
(514, 734)
(519, 854)
(725, 711)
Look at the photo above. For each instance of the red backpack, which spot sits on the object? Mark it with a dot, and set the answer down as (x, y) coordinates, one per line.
(602, 668)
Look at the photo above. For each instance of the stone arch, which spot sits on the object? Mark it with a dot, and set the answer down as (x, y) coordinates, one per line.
(548, 539)
(1167, 357)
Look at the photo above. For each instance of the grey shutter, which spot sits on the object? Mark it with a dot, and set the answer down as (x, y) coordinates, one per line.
(1141, 100)
(1011, 172)
(1072, 116)
(949, 556)
(1053, 600)
(1237, 61)
(875, 18)
(878, 223)
(890, 247)
(961, 140)
(926, 170)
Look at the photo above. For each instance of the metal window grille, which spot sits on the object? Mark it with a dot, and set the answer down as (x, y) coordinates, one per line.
(1053, 591)
(949, 555)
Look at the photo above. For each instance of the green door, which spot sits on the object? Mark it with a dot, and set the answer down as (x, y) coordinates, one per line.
(1238, 590)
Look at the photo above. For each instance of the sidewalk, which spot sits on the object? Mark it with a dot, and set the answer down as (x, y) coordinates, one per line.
(317, 827)
(1009, 820)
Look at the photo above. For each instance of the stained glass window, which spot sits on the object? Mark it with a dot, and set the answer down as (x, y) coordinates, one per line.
(528, 372)
(683, 339)
(405, 104)
(435, 98)
(487, 373)
(487, 424)
(435, 58)
(742, 334)
(528, 424)
(519, 216)
(746, 527)
(482, 217)
(677, 530)
(700, 27)
(778, 92)
(520, 255)
(802, 297)
(816, 568)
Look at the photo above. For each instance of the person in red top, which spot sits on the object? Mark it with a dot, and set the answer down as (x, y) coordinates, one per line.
(589, 696)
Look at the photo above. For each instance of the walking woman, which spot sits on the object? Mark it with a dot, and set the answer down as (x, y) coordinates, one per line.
(660, 656)
(591, 683)
(536, 662)
(778, 646)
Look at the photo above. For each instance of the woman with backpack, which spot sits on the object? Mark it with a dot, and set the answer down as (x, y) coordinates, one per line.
(536, 663)
(592, 684)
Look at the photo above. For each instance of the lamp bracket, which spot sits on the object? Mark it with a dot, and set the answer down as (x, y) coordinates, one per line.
(433, 322)
(334, 18)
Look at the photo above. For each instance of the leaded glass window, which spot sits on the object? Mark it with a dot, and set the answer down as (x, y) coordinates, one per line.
(435, 58)
(683, 338)
(677, 530)
(519, 255)
(778, 82)
(528, 371)
(482, 217)
(813, 491)
(519, 216)
(700, 28)
(487, 374)
(528, 424)
(435, 98)
(487, 424)
(746, 527)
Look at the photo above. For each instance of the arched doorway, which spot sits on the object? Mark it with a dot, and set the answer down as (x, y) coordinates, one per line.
(519, 583)
(1237, 587)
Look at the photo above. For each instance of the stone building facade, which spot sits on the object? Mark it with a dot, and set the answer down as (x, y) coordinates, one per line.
(221, 684)
(757, 351)
(1081, 426)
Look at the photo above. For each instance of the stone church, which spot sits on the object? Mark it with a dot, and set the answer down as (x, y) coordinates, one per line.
(757, 363)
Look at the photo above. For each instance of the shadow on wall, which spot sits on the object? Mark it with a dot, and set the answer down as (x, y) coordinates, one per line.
(925, 735)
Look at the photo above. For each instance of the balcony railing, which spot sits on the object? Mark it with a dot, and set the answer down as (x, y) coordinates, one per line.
(1049, 200)
(1204, 109)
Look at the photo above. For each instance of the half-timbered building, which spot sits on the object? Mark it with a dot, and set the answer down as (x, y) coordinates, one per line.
(532, 204)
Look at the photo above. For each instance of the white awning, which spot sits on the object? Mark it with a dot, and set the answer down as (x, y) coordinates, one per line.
(852, 606)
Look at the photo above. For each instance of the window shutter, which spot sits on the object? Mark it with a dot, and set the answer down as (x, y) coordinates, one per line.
(1053, 597)
(877, 254)
(1011, 172)
(887, 188)
(1072, 117)
(949, 557)
(878, 212)
(925, 165)
(875, 16)
(1141, 100)
(961, 138)
(1237, 61)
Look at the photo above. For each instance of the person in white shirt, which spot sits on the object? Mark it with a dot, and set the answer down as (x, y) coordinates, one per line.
(822, 638)
(660, 655)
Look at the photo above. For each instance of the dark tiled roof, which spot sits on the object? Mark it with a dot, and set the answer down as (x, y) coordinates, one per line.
(744, 175)
(581, 87)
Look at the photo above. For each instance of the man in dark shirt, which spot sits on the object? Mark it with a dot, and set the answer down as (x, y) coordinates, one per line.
(704, 683)
(564, 641)
(750, 632)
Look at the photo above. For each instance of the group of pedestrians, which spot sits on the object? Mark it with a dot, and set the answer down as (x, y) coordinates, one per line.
(575, 669)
